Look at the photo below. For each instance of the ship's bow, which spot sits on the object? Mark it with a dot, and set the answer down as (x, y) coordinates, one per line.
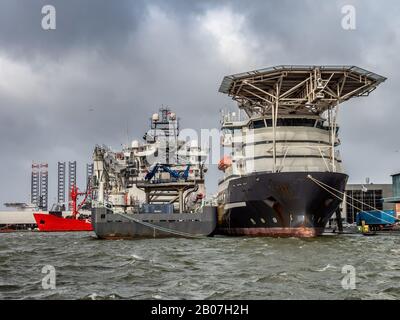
(282, 204)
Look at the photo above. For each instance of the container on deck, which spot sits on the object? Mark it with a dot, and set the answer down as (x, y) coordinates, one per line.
(157, 208)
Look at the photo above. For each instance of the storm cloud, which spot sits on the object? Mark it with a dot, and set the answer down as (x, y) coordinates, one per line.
(108, 66)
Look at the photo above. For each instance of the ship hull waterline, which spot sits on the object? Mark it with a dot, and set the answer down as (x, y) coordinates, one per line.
(285, 204)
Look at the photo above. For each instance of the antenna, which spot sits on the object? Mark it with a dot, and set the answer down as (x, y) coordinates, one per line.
(127, 133)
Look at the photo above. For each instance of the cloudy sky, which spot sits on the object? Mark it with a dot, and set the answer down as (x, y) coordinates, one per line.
(109, 64)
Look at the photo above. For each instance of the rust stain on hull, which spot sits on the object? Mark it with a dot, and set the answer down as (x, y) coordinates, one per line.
(302, 232)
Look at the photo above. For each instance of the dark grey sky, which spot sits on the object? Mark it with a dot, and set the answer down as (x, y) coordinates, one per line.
(124, 59)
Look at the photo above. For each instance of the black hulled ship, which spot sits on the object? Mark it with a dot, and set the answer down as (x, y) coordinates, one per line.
(283, 174)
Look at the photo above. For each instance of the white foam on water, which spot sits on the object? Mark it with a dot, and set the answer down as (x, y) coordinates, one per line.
(93, 296)
(136, 257)
(326, 268)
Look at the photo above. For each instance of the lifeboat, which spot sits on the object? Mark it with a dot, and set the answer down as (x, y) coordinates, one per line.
(225, 163)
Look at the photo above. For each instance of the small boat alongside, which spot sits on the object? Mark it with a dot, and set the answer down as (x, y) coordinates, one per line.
(52, 222)
(55, 222)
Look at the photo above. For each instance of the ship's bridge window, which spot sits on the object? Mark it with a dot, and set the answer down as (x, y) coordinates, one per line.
(320, 125)
(292, 122)
(231, 130)
(257, 124)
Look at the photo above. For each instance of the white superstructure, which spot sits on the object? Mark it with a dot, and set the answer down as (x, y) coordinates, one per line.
(290, 120)
(117, 174)
(302, 143)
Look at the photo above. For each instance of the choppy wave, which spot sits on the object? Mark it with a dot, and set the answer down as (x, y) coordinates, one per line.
(215, 268)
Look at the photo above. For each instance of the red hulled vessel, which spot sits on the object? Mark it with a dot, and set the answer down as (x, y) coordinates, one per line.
(54, 222)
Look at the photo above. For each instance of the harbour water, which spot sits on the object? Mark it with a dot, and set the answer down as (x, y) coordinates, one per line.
(210, 268)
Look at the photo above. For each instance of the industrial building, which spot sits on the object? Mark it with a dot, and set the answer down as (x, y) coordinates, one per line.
(366, 197)
(394, 198)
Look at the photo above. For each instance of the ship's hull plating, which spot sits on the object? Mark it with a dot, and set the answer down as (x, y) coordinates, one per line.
(109, 225)
(279, 204)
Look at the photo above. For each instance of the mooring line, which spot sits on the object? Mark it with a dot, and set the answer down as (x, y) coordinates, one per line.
(343, 193)
(153, 226)
(321, 184)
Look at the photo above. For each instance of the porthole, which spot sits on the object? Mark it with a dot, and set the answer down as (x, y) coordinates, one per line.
(252, 221)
